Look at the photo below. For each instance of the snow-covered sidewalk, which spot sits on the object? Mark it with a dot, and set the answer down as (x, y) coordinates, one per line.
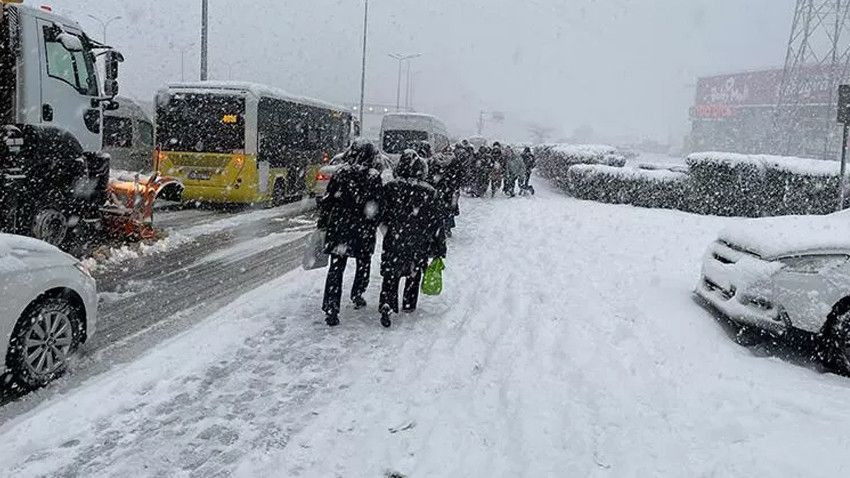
(565, 344)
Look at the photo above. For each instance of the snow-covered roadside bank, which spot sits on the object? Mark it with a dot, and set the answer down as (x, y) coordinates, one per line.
(566, 344)
(178, 235)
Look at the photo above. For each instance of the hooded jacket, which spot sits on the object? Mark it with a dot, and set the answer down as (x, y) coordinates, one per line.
(411, 214)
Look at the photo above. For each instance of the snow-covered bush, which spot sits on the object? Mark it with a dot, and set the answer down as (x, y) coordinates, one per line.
(724, 184)
(795, 186)
(555, 160)
(653, 188)
(720, 184)
(728, 184)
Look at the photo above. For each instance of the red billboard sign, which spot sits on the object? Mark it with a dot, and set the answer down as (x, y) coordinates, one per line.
(719, 96)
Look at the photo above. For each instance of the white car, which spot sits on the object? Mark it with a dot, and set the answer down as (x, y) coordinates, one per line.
(785, 273)
(49, 309)
(326, 172)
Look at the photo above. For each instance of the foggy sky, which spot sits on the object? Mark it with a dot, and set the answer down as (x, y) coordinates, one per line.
(624, 67)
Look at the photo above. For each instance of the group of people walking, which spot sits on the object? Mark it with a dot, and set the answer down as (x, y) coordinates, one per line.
(417, 210)
(494, 169)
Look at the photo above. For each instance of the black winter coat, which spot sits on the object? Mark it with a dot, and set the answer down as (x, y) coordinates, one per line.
(350, 211)
(411, 213)
(530, 162)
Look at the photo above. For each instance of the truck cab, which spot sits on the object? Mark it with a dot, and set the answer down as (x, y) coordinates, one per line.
(53, 172)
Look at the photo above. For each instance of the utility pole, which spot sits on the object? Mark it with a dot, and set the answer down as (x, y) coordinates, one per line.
(363, 66)
(205, 22)
(401, 59)
(407, 92)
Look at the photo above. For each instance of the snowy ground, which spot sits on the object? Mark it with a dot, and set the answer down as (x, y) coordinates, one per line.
(565, 344)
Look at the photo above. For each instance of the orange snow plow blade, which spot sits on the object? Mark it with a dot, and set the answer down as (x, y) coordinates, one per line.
(129, 214)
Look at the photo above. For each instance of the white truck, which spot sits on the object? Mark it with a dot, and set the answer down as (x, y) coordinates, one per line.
(54, 178)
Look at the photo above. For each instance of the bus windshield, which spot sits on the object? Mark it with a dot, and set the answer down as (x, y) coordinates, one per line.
(201, 123)
(396, 141)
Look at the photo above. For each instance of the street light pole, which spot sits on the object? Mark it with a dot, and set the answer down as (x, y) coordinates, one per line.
(363, 66)
(401, 58)
(407, 93)
(105, 24)
(205, 21)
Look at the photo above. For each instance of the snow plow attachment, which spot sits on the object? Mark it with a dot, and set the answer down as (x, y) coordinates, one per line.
(129, 214)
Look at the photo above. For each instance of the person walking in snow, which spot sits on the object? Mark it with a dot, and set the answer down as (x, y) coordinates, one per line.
(481, 171)
(464, 166)
(349, 214)
(514, 170)
(530, 163)
(443, 175)
(414, 234)
(497, 168)
(424, 150)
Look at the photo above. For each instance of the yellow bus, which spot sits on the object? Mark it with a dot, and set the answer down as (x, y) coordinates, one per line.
(240, 143)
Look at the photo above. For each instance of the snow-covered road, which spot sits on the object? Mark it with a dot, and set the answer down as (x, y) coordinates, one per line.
(566, 344)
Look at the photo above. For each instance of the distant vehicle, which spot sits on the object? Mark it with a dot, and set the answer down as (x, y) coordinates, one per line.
(49, 309)
(326, 172)
(785, 273)
(128, 137)
(231, 142)
(400, 131)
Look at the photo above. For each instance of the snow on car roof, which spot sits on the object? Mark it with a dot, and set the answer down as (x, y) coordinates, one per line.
(257, 90)
(790, 235)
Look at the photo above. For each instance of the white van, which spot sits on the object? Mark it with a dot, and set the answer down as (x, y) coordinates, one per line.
(400, 131)
(128, 137)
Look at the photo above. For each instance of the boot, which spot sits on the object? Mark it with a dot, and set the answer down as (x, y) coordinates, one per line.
(332, 319)
(385, 317)
(359, 302)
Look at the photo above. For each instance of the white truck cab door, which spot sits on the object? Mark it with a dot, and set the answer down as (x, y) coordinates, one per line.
(68, 86)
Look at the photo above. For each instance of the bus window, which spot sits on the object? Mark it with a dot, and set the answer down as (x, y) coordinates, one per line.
(117, 132)
(206, 123)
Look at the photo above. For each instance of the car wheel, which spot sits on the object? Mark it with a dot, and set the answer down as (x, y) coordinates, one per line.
(838, 342)
(44, 339)
(50, 226)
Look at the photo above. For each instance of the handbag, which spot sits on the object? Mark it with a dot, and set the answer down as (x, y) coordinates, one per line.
(314, 252)
(432, 282)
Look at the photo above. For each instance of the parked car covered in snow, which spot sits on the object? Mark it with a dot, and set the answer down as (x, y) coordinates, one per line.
(49, 309)
(785, 273)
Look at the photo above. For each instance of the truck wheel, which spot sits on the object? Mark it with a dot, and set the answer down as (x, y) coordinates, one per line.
(44, 339)
(838, 342)
(50, 226)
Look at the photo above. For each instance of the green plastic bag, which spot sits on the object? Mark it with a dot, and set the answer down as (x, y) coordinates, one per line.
(432, 283)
